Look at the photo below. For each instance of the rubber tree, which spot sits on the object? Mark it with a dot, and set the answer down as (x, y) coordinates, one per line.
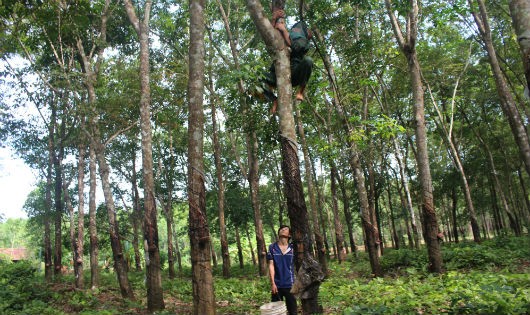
(520, 12)
(155, 298)
(407, 44)
(309, 272)
(202, 279)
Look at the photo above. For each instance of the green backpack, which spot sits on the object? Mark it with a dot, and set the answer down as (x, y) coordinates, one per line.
(299, 39)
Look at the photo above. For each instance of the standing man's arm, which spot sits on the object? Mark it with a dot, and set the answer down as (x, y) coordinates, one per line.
(271, 276)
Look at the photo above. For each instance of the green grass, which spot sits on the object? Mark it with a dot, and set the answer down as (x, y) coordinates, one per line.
(488, 278)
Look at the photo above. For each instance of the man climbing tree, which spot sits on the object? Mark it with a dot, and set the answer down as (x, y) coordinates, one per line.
(301, 65)
(309, 273)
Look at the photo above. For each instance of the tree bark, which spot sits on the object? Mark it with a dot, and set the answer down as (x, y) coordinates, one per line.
(155, 297)
(429, 219)
(454, 213)
(308, 167)
(92, 228)
(339, 236)
(58, 153)
(347, 213)
(48, 255)
(136, 215)
(239, 249)
(507, 102)
(220, 183)
(520, 12)
(252, 152)
(296, 207)
(369, 227)
(203, 293)
(78, 262)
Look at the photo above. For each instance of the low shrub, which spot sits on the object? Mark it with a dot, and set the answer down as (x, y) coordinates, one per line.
(21, 291)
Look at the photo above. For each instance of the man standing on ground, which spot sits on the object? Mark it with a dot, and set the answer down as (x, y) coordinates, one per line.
(281, 269)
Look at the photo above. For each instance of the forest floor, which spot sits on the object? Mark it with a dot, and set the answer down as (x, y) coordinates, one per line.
(488, 278)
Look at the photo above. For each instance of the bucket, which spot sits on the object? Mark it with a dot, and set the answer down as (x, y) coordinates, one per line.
(274, 308)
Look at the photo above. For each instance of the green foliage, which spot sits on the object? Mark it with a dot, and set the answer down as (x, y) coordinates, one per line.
(21, 291)
(403, 258)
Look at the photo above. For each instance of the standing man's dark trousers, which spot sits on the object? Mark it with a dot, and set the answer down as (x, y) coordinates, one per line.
(290, 300)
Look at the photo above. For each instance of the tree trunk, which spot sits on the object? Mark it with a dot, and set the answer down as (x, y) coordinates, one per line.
(155, 298)
(394, 233)
(203, 291)
(520, 12)
(252, 153)
(253, 179)
(58, 153)
(347, 213)
(454, 213)
(239, 249)
(136, 215)
(369, 227)
(429, 220)
(78, 262)
(251, 249)
(308, 167)
(524, 190)
(506, 99)
(120, 265)
(73, 242)
(296, 206)
(339, 236)
(498, 186)
(220, 186)
(177, 251)
(92, 228)
(48, 255)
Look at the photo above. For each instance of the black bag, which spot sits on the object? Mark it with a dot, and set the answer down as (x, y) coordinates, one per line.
(299, 39)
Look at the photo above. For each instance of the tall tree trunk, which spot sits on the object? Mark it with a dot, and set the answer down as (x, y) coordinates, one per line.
(308, 167)
(429, 220)
(136, 215)
(177, 252)
(324, 225)
(252, 153)
(498, 186)
(251, 249)
(455, 159)
(168, 203)
(203, 292)
(120, 265)
(506, 99)
(395, 237)
(73, 242)
(220, 184)
(369, 226)
(347, 212)
(78, 262)
(305, 264)
(520, 12)
(524, 190)
(58, 153)
(239, 249)
(253, 179)
(48, 255)
(155, 297)
(454, 213)
(92, 228)
(339, 235)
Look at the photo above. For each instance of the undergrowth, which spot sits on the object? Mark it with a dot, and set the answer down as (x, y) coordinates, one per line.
(487, 278)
